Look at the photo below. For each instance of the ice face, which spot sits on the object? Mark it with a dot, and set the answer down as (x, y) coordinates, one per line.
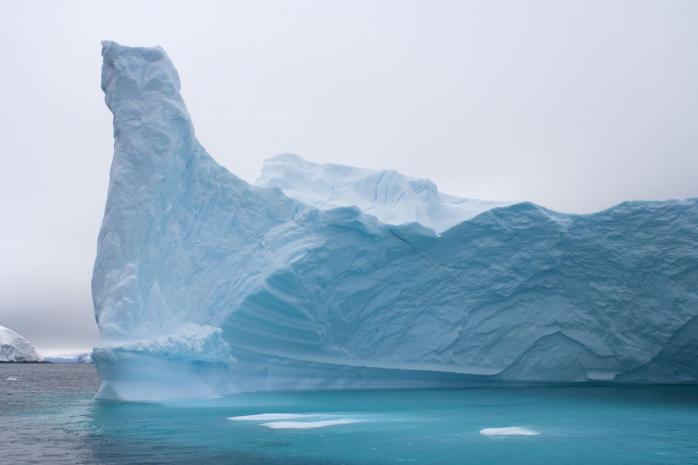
(16, 348)
(391, 197)
(206, 285)
(677, 362)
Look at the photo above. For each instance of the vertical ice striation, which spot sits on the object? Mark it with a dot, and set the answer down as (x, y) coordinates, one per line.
(206, 285)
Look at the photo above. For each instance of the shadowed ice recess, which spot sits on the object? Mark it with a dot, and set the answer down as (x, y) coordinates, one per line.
(333, 277)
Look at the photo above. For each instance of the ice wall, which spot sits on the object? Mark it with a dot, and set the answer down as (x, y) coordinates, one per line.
(206, 285)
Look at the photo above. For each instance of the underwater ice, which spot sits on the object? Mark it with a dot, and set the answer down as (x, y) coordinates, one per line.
(337, 277)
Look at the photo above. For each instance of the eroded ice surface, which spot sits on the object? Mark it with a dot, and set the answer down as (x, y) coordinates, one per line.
(206, 285)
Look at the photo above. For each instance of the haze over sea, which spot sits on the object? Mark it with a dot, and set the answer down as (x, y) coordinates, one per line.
(48, 415)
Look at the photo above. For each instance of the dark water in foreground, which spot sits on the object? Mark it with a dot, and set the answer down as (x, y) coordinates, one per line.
(48, 416)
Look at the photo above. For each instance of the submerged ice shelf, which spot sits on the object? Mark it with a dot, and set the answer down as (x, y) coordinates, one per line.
(326, 276)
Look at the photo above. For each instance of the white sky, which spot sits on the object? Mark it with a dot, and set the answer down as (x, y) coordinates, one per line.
(573, 105)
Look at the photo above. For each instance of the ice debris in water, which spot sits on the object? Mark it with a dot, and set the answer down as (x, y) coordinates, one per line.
(310, 424)
(509, 431)
(272, 416)
(302, 420)
(336, 277)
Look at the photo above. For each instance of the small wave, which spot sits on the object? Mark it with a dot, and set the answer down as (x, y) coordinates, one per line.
(309, 424)
(273, 416)
(11, 378)
(509, 431)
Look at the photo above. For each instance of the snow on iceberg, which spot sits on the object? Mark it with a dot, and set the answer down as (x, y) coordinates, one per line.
(16, 348)
(391, 197)
(205, 285)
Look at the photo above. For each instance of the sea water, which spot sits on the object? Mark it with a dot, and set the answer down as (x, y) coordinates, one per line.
(48, 416)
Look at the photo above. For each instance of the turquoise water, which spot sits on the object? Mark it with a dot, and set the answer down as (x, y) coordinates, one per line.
(47, 415)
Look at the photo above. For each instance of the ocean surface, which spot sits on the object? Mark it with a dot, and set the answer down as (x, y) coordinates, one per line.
(48, 416)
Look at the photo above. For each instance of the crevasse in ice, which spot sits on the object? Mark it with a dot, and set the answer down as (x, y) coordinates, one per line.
(336, 277)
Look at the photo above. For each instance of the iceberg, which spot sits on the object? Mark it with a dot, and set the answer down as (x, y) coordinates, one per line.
(330, 277)
(68, 357)
(16, 348)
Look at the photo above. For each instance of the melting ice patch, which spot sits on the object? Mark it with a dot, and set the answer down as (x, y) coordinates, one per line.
(297, 420)
(509, 431)
(310, 424)
(272, 416)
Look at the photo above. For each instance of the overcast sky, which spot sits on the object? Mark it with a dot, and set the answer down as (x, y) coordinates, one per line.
(573, 105)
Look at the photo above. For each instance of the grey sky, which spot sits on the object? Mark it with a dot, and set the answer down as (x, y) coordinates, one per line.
(573, 105)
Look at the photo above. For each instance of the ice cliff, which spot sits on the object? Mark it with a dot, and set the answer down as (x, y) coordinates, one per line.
(15, 348)
(337, 277)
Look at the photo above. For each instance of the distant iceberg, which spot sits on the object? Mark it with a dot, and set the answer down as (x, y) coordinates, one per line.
(332, 277)
(16, 348)
(68, 357)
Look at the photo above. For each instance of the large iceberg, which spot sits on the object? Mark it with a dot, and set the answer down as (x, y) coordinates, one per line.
(16, 348)
(336, 277)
